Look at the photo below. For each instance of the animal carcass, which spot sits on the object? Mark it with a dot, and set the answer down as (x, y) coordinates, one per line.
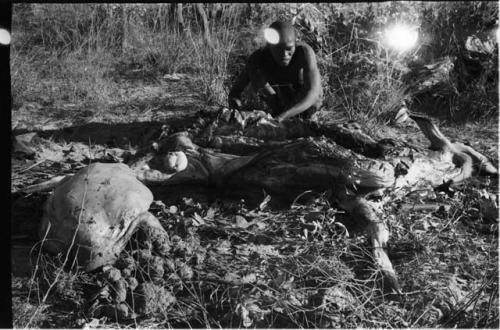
(284, 166)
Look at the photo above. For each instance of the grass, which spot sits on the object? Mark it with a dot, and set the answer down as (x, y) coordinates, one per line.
(55, 80)
(293, 268)
(361, 78)
(457, 278)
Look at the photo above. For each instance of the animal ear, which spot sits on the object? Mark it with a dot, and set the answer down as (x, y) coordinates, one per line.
(175, 162)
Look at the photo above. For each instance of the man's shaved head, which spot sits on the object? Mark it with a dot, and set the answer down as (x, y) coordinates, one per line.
(282, 42)
(285, 30)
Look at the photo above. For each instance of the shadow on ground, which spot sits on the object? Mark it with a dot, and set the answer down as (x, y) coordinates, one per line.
(112, 134)
(26, 212)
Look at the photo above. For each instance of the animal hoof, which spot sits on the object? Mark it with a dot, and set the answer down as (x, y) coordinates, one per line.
(390, 283)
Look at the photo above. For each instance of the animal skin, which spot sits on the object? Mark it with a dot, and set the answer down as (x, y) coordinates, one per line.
(95, 212)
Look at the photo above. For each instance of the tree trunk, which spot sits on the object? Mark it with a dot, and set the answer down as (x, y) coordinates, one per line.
(124, 21)
(205, 26)
(215, 10)
(180, 18)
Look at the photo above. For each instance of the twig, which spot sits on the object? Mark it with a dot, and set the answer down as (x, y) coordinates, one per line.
(413, 292)
(31, 166)
(424, 207)
(422, 315)
(472, 300)
(299, 196)
(38, 259)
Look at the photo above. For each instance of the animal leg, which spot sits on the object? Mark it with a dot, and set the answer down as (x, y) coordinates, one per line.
(431, 132)
(378, 236)
(464, 157)
(484, 165)
(46, 185)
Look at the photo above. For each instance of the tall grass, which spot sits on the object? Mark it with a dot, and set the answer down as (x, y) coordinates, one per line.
(54, 43)
(213, 59)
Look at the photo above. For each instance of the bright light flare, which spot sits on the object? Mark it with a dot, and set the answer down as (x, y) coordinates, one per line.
(401, 37)
(4, 37)
(272, 36)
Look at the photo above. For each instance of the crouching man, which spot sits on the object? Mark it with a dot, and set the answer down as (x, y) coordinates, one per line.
(284, 73)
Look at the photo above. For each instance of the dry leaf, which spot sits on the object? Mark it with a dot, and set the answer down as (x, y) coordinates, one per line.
(198, 220)
(245, 317)
(249, 278)
(210, 214)
(232, 278)
(223, 247)
(241, 222)
(264, 203)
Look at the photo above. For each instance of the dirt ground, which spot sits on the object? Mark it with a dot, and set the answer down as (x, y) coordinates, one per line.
(262, 265)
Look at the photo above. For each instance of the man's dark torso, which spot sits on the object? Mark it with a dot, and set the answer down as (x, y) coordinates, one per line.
(287, 81)
(290, 76)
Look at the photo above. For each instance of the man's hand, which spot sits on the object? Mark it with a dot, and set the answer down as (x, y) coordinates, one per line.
(235, 103)
(274, 122)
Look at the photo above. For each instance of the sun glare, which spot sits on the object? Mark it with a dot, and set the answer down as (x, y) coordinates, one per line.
(272, 36)
(401, 37)
(4, 37)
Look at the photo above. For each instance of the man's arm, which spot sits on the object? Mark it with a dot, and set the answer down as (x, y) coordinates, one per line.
(312, 82)
(260, 82)
(238, 88)
(254, 75)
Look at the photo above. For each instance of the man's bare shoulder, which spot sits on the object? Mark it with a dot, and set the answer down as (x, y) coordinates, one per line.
(258, 56)
(308, 51)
